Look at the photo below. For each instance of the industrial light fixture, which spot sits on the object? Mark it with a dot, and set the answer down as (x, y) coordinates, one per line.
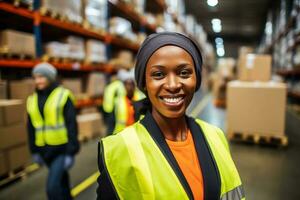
(220, 46)
(216, 25)
(220, 52)
(212, 3)
(219, 40)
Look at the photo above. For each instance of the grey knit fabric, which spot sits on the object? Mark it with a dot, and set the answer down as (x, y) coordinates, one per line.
(45, 69)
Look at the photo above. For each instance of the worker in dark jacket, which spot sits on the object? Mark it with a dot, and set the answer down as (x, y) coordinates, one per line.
(52, 129)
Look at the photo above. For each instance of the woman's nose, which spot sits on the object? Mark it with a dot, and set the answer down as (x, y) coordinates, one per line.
(172, 83)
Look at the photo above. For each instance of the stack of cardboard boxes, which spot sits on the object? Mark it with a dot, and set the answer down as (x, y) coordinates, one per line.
(219, 80)
(90, 124)
(13, 136)
(255, 104)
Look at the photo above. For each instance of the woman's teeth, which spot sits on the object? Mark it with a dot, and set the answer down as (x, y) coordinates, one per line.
(172, 100)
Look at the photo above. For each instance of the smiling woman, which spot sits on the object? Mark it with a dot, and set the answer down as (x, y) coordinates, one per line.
(168, 155)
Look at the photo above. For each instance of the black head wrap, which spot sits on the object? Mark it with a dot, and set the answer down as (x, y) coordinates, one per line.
(155, 41)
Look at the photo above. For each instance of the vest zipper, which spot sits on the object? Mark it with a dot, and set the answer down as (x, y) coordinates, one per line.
(105, 169)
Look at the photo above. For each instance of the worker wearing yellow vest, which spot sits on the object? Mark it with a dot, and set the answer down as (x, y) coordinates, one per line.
(124, 105)
(168, 155)
(52, 129)
(111, 93)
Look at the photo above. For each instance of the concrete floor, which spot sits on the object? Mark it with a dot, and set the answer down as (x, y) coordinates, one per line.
(268, 173)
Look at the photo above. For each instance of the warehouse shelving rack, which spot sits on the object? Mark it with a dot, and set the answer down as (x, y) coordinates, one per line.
(109, 39)
(287, 73)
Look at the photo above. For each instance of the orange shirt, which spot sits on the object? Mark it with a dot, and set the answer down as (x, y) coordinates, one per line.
(130, 112)
(186, 157)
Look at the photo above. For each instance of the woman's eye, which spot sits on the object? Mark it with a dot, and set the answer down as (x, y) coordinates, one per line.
(157, 74)
(185, 73)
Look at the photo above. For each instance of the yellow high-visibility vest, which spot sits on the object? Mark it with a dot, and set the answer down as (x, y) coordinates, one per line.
(111, 93)
(50, 130)
(139, 170)
(121, 110)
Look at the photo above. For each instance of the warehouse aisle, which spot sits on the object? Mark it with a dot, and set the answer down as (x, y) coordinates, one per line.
(34, 185)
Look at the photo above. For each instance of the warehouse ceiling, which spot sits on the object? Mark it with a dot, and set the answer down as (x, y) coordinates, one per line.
(242, 21)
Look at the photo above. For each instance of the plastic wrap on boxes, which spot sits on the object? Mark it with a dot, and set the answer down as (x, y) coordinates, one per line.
(76, 47)
(95, 51)
(16, 42)
(122, 27)
(190, 24)
(95, 85)
(71, 8)
(169, 24)
(124, 59)
(57, 50)
(96, 13)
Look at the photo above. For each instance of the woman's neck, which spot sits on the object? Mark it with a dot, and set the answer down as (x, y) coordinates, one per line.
(174, 129)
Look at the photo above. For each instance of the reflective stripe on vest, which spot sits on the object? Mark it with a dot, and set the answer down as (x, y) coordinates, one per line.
(235, 194)
(139, 170)
(51, 129)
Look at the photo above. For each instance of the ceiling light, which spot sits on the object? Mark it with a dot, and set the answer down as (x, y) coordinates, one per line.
(220, 52)
(217, 28)
(212, 3)
(216, 25)
(218, 46)
(219, 40)
(215, 21)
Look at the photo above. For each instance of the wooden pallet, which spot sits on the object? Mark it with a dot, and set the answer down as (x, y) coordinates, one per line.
(56, 15)
(19, 3)
(8, 55)
(53, 14)
(257, 138)
(20, 173)
(88, 26)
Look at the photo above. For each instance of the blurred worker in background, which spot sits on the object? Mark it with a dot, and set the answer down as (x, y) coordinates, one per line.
(114, 89)
(119, 101)
(52, 129)
(125, 114)
(167, 154)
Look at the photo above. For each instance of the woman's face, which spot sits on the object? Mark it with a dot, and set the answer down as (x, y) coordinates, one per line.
(41, 82)
(170, 81)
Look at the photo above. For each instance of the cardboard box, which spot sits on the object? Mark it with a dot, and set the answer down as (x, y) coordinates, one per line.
(3, 164)
(16, 42)
(90, 125)
(256, 107)
(18, 157)
(96, 84)
(244, 50)
(21, 89)
(254, 67)
(10, 112)
(95, 51)
(74, 84)
(3, 89)
(13, 135)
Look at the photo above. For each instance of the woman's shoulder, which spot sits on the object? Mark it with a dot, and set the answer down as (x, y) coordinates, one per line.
(212, 131)
(126, 131)
(206, 125)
